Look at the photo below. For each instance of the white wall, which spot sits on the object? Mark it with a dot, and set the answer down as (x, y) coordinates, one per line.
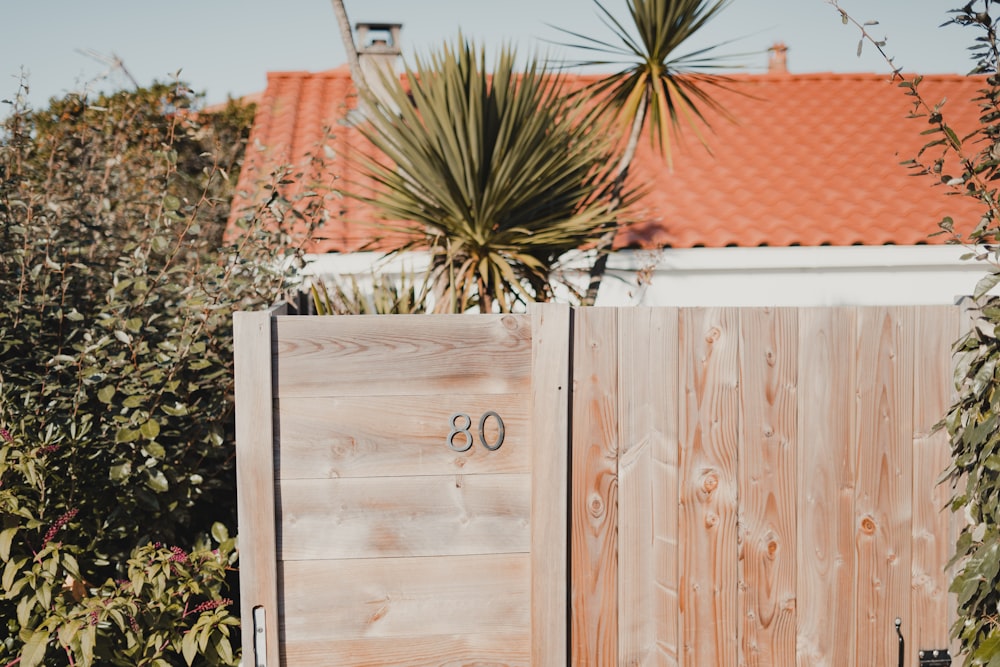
(796, 276)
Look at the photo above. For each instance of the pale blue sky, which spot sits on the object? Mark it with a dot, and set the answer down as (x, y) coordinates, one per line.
(227, 46)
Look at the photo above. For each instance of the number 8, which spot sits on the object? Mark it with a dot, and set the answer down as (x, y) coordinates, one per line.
(455, 430)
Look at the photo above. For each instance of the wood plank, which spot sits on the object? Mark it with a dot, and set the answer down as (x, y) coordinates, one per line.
(709, 432)
(387, 355)
(403, 597)
(551, 327)
(255, 476)
(826, 474)
(378, 436)
(767, 472)
(936, 329)
(647, 487)
(884, 482)
(495, 650)
(594, 488)
(404, 516)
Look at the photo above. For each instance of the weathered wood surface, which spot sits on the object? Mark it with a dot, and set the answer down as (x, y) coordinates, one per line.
(767, 492)
(491, 649)
(405, 597)
(383, 436)
(390, 517)
(594, 510)
(647, 488)
(825, 488)
(426, 354)
(709, 435)
(935, 330)
(550, 400)
(388, 539)
(748, 487)
(884, 487)
(255, 477)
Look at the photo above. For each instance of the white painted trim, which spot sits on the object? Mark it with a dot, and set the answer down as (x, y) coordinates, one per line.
(767, 276)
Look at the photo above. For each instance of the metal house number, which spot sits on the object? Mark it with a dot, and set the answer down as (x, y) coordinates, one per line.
(460, 438)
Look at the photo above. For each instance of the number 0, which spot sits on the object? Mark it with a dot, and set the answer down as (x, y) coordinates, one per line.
(482, 431)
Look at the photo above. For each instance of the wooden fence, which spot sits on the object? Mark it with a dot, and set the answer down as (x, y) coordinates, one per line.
(691, 487)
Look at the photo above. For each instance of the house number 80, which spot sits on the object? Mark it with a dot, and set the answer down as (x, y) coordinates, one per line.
(460, 437)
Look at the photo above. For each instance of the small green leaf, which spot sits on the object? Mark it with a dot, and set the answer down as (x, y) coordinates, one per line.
(157, 481)
(219, 532)
(106, 393)
(7, 538)
(150, 430)
(189, 646)
(155, 450)
(34, 649)
(985, 284)
(119, 472)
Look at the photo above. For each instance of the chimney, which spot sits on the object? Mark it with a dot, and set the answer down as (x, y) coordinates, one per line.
(778, 62)
(378, 53)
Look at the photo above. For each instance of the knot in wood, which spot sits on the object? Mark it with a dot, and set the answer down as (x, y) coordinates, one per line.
(772, 548)
(711, 519)
(596, 505)
(868, 525)
(710, 482)
(713, 335)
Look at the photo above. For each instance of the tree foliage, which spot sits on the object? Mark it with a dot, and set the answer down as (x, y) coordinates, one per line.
(497, 175)
(116, 376)
(659, 85)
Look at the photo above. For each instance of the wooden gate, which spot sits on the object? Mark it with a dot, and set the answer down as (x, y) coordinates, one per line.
(738, 486)
(402, 489)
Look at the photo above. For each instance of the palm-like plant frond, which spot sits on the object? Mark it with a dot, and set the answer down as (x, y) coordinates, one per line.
(657, 81)
(496, 174)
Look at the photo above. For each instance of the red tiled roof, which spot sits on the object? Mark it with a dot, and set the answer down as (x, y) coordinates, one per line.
(812, 159)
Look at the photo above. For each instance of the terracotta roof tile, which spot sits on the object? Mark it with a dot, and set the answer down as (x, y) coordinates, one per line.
(811, 160)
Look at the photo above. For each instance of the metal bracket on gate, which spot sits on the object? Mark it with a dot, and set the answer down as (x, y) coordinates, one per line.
(934, 658)
(938, 657)
(259, 638)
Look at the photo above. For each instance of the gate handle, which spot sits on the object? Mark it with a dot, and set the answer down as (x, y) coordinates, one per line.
(899, 634)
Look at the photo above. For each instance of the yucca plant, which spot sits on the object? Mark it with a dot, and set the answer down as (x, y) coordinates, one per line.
(497, 175)
(657, 82)
(384, 295)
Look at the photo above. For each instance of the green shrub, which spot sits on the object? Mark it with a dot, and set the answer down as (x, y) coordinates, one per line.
(116, 375)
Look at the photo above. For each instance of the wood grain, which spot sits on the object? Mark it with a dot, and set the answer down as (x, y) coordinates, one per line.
(826, 476)
(372, 436)
(492, 650)
(936, 328)
(405, 597)
(647, 487)
(425, 354)
(767, 494)
(709, 434)
(404, 516)
(255, 504)
(550, 397)
(595, 489)
(883, 493)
